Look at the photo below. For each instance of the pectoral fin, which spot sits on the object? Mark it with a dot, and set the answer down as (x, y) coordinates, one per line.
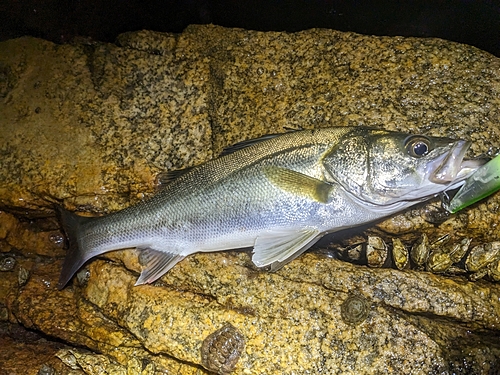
(298, 183)
(276, 248)
(156, 263)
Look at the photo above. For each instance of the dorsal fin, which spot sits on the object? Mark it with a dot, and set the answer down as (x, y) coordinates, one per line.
(244, 144)
(165, 178)
(250, 142)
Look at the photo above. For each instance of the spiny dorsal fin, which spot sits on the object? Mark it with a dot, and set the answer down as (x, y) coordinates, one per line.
(299, 183)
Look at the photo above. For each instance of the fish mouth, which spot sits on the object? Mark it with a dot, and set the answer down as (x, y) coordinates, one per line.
(451, 167)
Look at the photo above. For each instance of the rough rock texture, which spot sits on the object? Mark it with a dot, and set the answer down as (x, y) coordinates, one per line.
(90, 127)
(26, 352)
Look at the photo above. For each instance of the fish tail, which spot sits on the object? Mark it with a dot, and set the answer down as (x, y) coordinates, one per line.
(75, 256)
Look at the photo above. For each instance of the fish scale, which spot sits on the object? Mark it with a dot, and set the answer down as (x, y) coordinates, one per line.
(278, 195)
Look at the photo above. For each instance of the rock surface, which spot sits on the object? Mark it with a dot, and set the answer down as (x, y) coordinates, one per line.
(91, 126)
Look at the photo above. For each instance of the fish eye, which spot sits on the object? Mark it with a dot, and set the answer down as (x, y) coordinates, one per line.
(418, 146)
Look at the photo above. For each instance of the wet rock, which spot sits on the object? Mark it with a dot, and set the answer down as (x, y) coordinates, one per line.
(41, 237)
(297, 310)
(96, 364)
(25, 352)
(91, 128)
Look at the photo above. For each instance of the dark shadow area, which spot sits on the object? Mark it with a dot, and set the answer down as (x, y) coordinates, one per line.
(472, 22)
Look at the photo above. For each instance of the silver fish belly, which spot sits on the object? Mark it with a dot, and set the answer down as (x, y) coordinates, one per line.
(279, 196)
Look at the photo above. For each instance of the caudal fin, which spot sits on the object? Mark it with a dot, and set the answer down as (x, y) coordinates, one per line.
(75, 257)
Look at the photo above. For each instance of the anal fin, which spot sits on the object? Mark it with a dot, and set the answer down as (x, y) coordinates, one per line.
(156, 263)
(278, 247)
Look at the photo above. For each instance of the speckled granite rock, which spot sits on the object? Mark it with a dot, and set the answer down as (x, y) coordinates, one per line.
(91, 127)
(291, 320)
(94, 123)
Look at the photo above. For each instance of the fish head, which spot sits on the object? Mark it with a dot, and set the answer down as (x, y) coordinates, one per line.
(384, 168)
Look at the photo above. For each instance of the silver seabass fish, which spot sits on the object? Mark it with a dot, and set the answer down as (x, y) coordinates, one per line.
(278, 195)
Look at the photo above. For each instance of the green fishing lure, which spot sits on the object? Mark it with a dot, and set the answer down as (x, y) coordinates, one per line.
(484, 182)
